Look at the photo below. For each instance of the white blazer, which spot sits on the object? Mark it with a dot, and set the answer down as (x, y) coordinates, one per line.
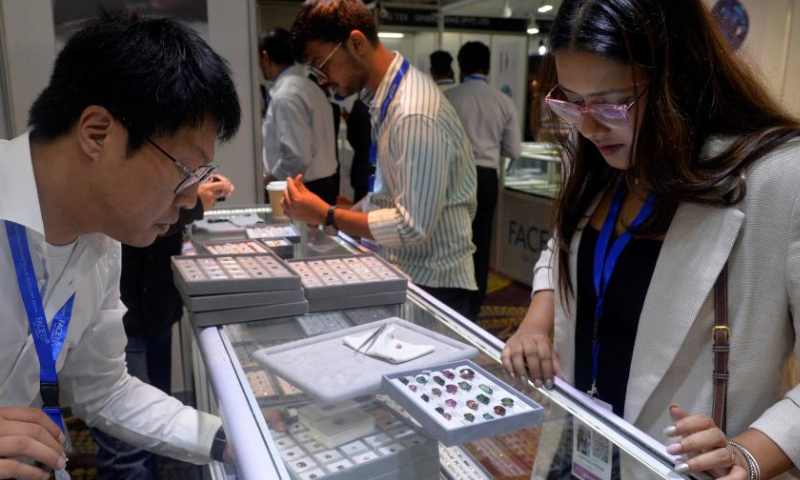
(672, 359)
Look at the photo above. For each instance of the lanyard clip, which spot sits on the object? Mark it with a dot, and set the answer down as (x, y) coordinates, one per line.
(49, 393)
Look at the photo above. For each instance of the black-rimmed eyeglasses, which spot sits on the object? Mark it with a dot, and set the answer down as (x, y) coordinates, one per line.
(191, 175)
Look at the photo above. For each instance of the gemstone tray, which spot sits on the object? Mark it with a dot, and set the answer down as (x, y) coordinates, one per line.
(227, 224)
(347, 276)
(356, 301)
(248, 314)
(287, 232)
(212, 275)
(459, 402)
(205, 303)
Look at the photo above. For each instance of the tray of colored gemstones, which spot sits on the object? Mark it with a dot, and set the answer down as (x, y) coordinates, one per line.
(459, 402)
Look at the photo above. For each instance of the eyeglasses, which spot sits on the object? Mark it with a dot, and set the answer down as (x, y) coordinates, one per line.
(611, 116)
(191, 175)
(316, 70)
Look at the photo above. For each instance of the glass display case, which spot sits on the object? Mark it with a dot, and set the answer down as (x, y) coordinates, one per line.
(536, 172)
(254, 401)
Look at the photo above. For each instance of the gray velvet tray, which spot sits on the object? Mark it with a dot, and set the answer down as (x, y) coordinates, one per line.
(348, 284)
(206, 303)
(249, 314)
(192, 277)
(227, 224)
(459, 431)
(331, 372)
(356, 301)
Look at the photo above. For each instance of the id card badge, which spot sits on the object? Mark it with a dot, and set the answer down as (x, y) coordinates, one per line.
(591, 453)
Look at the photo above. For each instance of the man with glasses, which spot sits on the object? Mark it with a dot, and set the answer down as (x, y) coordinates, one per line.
(422, 202)
(490, 119)
(298, 129)
(119, 141)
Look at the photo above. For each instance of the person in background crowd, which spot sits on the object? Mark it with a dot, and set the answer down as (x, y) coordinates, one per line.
(677, 238)
(298, 127)
(442, 70)
(492, 124)
(420, 212)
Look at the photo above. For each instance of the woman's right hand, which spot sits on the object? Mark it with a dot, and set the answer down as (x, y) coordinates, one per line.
(528, 354)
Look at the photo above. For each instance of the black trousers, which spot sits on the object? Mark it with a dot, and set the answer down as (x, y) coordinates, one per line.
(456, 298)
(482, 233)
(326, 188)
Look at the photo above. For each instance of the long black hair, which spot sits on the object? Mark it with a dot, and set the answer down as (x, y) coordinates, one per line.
(696, 89)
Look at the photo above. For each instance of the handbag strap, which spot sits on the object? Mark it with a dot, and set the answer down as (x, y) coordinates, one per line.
(721, 336)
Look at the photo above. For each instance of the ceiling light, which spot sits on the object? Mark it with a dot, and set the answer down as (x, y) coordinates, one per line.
(533, 31)
(391, 35)
(545, 8)
(542, 49)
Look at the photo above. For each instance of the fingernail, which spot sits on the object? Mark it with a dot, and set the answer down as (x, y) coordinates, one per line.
(674, 449)
(671, 431)
(46, 476)
(538, 383)
(62, 438)
(62, 463)
(549, 384)
(673, 405)
(682, 468)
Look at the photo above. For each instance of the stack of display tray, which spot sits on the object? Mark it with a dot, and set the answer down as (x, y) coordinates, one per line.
(350, 281)
(279, 246)
(390, 450)
(274, 232)
(220, 289)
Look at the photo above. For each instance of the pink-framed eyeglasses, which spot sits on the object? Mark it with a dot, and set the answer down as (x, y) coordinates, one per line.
(611, 116)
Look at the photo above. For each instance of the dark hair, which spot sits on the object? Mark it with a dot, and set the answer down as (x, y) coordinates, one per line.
(441, 63)
(696, 88)
(330, 21)
(154, 75)
(474, 57)
(278, 46)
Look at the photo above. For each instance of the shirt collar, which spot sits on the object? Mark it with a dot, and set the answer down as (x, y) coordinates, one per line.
(375, 100)
(446, 81)
(287, 72)
(19, 198)
(475, 77)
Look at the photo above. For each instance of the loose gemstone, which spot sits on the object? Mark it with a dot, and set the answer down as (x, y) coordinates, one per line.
(404, 381)
(486, 389)
(486, 416)
(413, 388)
(472, 404)
(507, 402)
(436, 391)
(451, 389)
(470, 417)
(425, 397)
(450, 403)
(447, 416)
(440, 409)
(465, 386)
(448, 374)
(439, 380)
(499, 410)
(422, 380)
(483, 399)
(467, 373)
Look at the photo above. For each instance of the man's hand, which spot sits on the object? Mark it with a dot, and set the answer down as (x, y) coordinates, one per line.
(216, 187)
(27, 433)
(300, 204)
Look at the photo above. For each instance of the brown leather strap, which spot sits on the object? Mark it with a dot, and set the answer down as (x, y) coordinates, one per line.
(721, 336)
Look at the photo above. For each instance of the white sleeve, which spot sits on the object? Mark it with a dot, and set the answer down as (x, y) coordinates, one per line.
(104, 395)
(543, 270)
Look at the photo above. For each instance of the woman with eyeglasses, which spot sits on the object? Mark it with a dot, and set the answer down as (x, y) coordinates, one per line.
(680, 186)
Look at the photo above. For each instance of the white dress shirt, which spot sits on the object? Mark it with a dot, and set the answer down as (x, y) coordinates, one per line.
(445, 84)
(91, 367)
(298, 128)
(425, 186)
(490, 119)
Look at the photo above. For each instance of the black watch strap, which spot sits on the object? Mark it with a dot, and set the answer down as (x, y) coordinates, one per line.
(218, 446)
(329, 219)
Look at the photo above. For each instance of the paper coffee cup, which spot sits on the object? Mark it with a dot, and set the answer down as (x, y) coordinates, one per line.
(275, 191)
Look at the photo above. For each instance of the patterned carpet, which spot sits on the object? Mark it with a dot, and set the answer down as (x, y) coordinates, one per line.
(504, 308)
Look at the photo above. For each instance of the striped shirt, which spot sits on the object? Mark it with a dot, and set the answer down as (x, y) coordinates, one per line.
(425, 185)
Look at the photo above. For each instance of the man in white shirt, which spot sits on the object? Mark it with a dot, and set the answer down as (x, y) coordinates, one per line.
(442, 70)
(119, 141)
(423, 200)
(298, 127)
(491, 121)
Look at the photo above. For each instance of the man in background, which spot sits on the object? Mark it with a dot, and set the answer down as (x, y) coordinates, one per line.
(442, 70)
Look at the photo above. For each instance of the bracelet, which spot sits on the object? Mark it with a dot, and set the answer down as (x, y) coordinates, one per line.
(752, 464)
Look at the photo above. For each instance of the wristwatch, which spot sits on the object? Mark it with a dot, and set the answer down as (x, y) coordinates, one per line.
(329, 220)
(218, 446)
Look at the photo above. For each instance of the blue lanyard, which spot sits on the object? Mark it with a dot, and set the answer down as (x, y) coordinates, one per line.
(605, 261)
(48, 342)
(373, 147)
(480, 78)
